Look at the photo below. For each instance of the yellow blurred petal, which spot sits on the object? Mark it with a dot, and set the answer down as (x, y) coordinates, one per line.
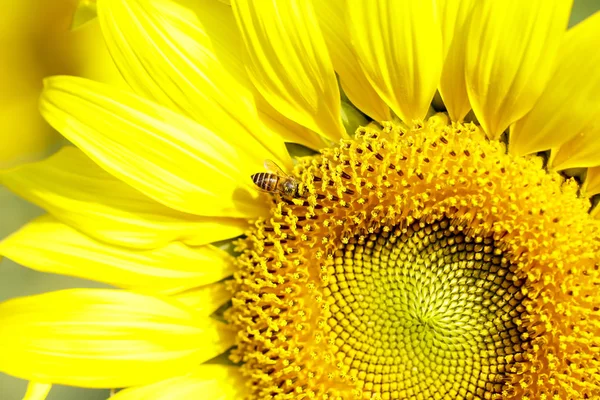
(570, 101)
(25, 135)
(94, 58)
(289, 64)
(591, 186)
(78, 192)
(206, 299)
(511, 52)
(104, 338)
(399, 46)
(47, 245)
(182, 60)
(355, 84)
(454, 15)
(84, 13)
(30, 47)
(165, 155)
(37, 391)
(207, 382)
(35, 41)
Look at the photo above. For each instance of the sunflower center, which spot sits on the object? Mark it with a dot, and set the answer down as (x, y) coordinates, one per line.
(416, 263)
(424, 309)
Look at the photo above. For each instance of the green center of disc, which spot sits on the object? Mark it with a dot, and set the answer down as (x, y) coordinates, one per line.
(425, 309)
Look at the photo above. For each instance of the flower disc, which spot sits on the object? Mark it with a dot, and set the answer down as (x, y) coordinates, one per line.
(419, 263)
(425, 309)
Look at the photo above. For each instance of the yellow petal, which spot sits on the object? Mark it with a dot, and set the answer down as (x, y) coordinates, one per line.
(454, 15)
(289, 130)
(104, 338)
(178, 58)
(591, 186)
(50, 246)
(37, 391)
(510, 57)
(399, 46)
(289, 64)
(206, 299)
(355, 84)
(80, 193)
(580, 151)
(570, 101)
(165, 155)
(207, 382)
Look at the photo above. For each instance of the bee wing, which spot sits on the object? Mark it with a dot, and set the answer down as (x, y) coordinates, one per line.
(274, 168)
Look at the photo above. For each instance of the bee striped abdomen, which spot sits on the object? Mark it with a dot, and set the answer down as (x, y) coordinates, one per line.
(266, 181)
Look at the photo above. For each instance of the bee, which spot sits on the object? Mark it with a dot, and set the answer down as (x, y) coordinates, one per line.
(276, 181)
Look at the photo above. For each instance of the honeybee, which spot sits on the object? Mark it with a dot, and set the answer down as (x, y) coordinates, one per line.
(276, 181)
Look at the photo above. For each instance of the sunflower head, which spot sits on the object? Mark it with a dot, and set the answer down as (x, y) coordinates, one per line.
(417, 264)
(425, 255)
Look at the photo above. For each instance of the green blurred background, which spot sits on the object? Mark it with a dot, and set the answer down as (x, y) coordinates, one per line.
(36, 40)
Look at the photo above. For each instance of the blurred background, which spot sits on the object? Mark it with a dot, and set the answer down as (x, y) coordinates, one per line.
(35, 42)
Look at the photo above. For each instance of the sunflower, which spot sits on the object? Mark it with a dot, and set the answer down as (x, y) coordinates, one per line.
(430, 253)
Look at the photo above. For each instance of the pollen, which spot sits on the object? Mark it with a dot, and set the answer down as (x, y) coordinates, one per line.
(421, 263)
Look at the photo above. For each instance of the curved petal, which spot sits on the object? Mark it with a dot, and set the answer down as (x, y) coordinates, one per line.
(78, 192)
(510, 57)
(206, 299)
(289, 64)
(207, 382)
(355, 84)
(454, 15)
(104, 338)
(289, 130)
(37, 391)
(165, 155)
(399, 46)
(581, 151)
(50, 246)
(212, 18)
(570, 101)
(170, 54)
